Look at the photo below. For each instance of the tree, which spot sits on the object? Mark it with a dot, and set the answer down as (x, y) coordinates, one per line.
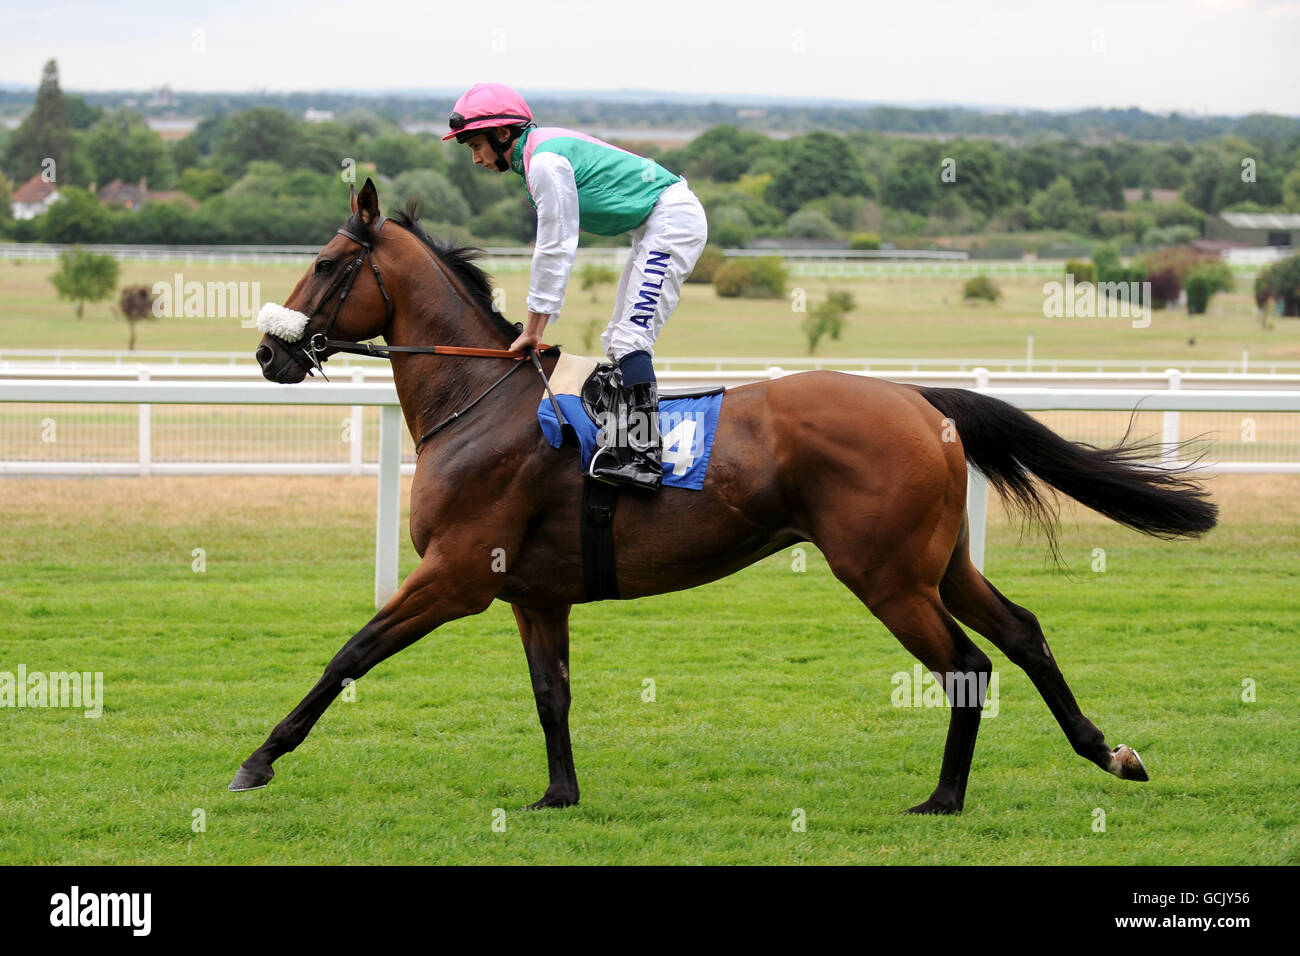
(1096, 185)
(85, 277)
(76, 217)
(261, 133)
(202, 183)
(122, 146)
(911, 180)
(44, 134)
(810, 224)
(442, 201)
(1291, 190)
(1056, 206)
(730, 226)
(6, 203)
(819, 164)
(828, 318)
(136, 305)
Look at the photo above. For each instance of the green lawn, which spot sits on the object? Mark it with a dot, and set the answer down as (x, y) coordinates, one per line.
(899, 317)
(772, 694)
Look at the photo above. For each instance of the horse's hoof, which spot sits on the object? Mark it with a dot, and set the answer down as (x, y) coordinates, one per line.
(553, 800)
(250, 779)
(1126, 764)
(933, 807)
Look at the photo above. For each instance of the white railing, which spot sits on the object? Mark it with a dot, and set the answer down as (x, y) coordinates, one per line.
(145, 393)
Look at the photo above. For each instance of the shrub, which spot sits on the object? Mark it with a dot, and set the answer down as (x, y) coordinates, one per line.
(1198, 293)
(1105, 256)
(1164, 287)
(1082, 271)
(711, 259)
(864, 240)
(981, 287)
(1219, 274)
(1162, 236)
(810, 224)
(761, 278)
(828, 318)
(730, 226)
(1281, 281)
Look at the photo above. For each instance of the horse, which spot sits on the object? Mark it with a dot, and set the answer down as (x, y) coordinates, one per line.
(872, 473)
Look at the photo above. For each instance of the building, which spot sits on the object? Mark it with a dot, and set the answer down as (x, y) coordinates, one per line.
(1256, 229)
(33, 197)
(136, 195)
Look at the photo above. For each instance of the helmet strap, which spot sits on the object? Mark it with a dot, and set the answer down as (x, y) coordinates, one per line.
(503, 149)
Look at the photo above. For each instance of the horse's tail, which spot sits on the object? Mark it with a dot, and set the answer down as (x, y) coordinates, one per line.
(1011, 448)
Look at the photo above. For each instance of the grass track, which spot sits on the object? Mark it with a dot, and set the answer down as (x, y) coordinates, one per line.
(772, 693)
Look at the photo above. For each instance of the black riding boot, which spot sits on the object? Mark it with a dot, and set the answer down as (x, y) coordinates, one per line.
(633, 454)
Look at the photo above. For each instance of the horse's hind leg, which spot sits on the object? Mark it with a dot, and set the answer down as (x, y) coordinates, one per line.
(1015, 632)
(921, 624)
(545, 634)
(915, 616)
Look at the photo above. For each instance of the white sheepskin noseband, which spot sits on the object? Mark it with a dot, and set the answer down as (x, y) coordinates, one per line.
(285, 324)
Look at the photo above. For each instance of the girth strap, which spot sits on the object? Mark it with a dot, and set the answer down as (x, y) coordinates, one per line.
(599, 502)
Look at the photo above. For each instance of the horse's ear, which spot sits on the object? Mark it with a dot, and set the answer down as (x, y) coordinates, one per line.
(352, 197)
(367, 205)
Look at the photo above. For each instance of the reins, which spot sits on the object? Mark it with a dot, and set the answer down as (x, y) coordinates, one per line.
(320, 341)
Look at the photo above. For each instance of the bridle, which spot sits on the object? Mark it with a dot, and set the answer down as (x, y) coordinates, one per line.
(342, 285)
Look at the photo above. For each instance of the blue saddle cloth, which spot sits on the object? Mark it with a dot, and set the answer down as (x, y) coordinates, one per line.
(686, 425)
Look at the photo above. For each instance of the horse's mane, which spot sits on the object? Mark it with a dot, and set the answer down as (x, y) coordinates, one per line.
(459, 259)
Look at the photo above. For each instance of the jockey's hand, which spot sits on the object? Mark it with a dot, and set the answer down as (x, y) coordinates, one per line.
(532, 333)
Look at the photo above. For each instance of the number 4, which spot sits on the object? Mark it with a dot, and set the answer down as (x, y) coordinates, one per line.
(679, 446)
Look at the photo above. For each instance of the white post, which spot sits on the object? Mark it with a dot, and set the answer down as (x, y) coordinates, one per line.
(354, 431)
(145, 432)
(1169, 440)
(981, 377)
(390, 500)
(1029, 354)
(1245, 359)
(977, 513)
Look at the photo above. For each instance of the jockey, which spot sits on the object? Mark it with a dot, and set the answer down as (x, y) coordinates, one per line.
(576, 181)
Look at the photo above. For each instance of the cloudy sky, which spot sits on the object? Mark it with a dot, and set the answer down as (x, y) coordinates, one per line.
(1217, 56)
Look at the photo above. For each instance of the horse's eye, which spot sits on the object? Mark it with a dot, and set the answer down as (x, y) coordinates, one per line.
(324, 266)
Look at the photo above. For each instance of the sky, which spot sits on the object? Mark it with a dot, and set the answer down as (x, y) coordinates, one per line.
(1226, 57)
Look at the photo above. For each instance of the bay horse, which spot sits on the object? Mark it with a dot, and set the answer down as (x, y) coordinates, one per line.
(871, 472)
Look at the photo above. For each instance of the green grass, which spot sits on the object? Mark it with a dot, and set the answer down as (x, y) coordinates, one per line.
(896, 317)
(772, 693)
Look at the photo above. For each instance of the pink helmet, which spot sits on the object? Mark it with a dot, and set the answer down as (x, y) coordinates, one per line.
(484, 106)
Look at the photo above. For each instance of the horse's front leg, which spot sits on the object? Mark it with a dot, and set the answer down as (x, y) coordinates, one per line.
(546, 643)
(437, 591)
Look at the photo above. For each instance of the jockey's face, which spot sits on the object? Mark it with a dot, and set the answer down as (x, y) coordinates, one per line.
(481, 149)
